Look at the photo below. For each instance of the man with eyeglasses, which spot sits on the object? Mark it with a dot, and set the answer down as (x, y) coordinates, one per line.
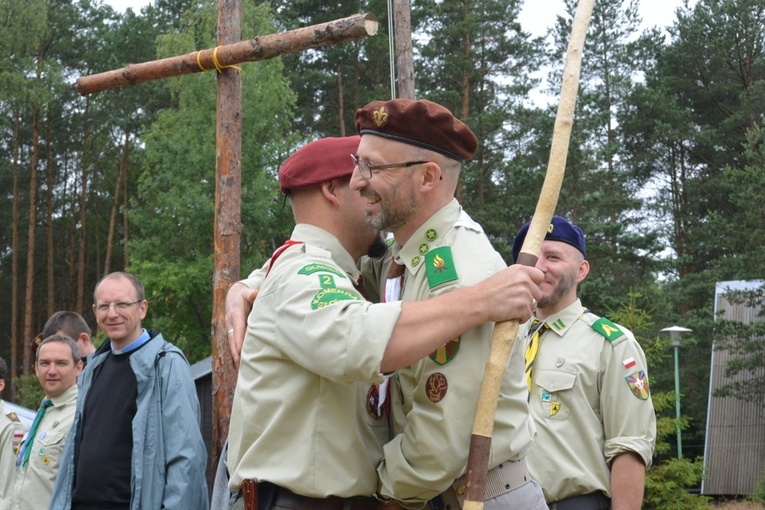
(136, 441)
(309, 419)
(407, 169)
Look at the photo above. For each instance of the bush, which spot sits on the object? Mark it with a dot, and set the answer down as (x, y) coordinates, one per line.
(29, 393)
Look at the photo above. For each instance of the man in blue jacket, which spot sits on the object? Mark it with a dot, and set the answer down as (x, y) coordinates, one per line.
(138, 410)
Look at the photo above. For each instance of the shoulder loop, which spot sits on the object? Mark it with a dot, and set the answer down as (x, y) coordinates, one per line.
(439, 266)
(278, 252)
(607, 328)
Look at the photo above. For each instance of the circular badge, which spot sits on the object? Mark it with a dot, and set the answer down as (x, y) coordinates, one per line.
(436, 387)
(415, 261)
(431, 234)
(423, 249)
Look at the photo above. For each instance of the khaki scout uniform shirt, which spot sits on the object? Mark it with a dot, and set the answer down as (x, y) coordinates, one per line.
(11, 433)
(591, 401)
(434, 401)
(33, 486)
(300, 417)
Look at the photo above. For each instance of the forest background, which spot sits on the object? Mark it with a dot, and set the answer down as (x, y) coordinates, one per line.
(665, 172)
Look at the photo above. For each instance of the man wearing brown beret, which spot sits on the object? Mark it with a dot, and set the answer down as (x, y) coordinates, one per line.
(308, 424)
(408, 166)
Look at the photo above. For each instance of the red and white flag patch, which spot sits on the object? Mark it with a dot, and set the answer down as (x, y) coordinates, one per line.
(629, 362)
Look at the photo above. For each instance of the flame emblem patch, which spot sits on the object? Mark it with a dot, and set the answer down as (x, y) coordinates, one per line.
(436, 387)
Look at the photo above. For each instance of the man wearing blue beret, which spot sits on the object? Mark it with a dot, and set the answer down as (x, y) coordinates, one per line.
(588, 389)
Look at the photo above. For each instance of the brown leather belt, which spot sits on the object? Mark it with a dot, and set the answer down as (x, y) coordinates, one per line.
(285, 498)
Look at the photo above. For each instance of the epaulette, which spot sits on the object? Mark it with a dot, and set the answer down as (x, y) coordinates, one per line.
(439, 266)
(607, 328)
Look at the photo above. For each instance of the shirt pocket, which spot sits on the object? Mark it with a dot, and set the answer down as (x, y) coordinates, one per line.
(553, 394)
(48, 447)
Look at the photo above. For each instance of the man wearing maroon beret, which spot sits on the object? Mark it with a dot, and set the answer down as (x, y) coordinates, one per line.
(307, 422)
(408, 166)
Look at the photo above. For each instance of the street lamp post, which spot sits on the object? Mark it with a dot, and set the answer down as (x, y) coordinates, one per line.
(675, 333)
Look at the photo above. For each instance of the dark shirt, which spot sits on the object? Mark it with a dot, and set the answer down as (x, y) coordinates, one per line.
(103, 470)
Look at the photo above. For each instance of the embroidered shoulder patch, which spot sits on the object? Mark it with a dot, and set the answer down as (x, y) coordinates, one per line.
(638, 383)
(607, 328)
(439, 266)
(315, 268)
(18, 439)
(446, 352)
(328, 296)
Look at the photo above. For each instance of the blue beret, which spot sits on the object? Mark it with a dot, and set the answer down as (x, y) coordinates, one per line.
(560, 229)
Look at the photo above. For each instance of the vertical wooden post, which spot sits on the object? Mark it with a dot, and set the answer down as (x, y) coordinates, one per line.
(404, 59)
(228, 224)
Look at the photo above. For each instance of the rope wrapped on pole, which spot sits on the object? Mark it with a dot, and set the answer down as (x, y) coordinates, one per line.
(505, 332)
(227, 56)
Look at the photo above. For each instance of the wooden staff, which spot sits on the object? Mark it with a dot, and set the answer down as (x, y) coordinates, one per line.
(505, 332)
(260, 48)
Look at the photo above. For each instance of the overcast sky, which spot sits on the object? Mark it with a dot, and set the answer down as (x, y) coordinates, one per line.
(536, 15)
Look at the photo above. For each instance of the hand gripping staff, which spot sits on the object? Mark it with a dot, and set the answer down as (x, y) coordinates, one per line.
(505, 332)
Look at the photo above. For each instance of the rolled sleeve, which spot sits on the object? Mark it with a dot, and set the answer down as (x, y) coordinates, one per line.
(629, 421)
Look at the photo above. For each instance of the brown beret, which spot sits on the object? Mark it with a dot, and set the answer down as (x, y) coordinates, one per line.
(321, 160)
(422, 123)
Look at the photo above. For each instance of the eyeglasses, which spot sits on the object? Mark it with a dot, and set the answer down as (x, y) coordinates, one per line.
(365, 169)
(120, 307)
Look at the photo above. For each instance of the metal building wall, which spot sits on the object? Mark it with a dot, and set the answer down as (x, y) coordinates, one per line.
(734, 453)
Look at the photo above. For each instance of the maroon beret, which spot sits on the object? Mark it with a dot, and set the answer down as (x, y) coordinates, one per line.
(422, 123)
(321, 160)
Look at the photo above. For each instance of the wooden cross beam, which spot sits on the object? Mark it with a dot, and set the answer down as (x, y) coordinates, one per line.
(260, 48)
(228, 184)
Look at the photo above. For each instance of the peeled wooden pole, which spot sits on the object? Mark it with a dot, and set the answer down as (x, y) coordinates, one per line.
(260, 48)
(505, 332)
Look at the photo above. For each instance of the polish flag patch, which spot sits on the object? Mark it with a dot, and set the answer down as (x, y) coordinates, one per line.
(629, 362)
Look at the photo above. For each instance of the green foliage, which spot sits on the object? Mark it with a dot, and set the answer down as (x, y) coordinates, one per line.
(29, 393)
(666, 485)
(668, 481)
(759, 491)
(180, 302)
(176, 186)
